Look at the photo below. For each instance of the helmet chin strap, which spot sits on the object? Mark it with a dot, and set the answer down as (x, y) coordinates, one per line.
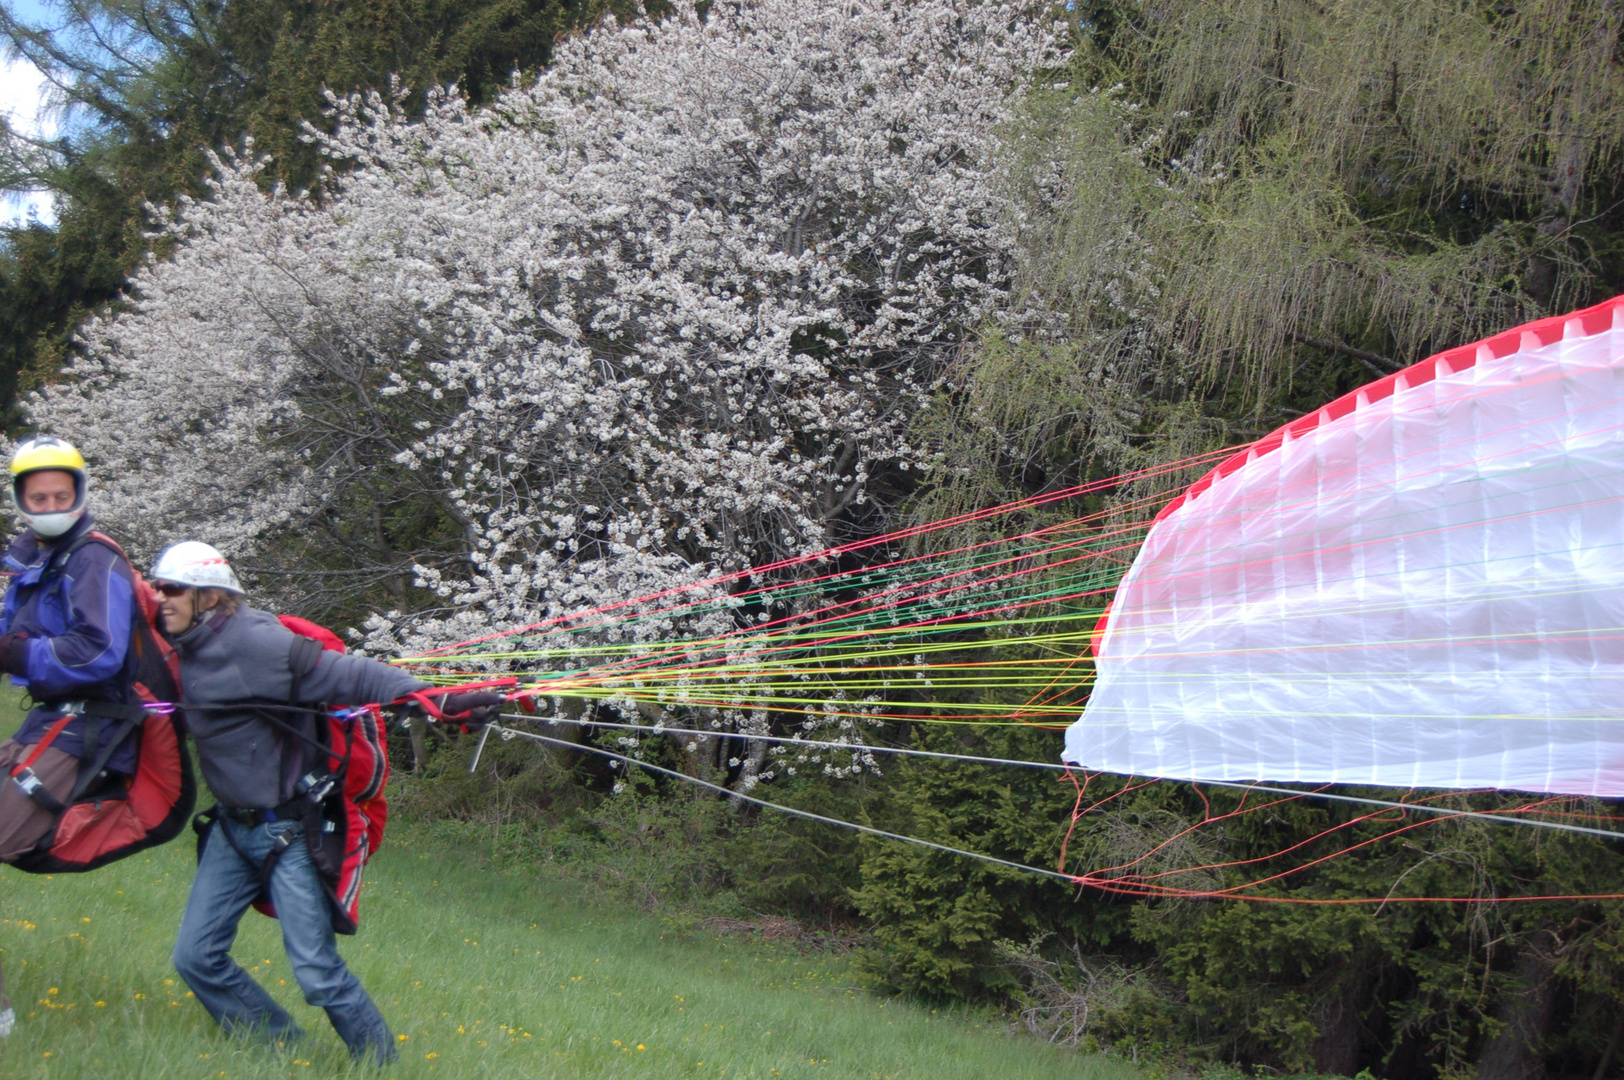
(203, 615)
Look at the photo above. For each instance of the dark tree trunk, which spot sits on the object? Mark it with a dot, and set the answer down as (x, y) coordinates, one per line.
(1601, 1066)
(416, 726)
(579, 710)
(1517, 1053)
(1339, 1020)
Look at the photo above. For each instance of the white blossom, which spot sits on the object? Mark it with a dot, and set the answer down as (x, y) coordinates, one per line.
(666, 312)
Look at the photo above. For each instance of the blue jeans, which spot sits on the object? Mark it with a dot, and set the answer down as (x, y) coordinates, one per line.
(225, 885)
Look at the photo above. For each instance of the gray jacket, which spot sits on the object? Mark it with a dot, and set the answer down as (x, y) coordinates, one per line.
(229, 664)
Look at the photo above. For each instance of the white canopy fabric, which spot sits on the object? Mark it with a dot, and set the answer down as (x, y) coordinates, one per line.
(1421, 585)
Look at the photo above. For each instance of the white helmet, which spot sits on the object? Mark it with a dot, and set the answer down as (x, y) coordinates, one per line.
(42, 453)
(194, 563)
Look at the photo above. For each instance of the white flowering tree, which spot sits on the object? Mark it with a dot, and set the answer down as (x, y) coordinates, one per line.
(666, 312)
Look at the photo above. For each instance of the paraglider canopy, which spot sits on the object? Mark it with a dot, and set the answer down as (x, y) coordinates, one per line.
(1419, 585)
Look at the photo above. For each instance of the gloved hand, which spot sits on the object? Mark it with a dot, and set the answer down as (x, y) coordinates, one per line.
(14, 653)
(473, 710)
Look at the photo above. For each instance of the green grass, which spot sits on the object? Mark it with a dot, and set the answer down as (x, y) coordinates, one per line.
(485, 974)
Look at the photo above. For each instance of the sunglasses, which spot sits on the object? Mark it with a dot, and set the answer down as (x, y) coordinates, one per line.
(171, 589)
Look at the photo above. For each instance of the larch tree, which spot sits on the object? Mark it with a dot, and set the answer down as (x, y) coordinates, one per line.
(1234, 212)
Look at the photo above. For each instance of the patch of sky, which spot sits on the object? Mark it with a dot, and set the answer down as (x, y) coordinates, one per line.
(22, 101)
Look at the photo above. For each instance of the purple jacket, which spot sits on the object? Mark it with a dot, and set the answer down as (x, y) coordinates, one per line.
(77, 617)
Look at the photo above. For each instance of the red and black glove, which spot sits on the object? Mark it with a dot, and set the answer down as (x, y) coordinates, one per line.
(14, 653)
(473, 710)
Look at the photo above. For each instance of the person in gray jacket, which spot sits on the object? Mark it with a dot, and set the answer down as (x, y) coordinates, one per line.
(255, 745)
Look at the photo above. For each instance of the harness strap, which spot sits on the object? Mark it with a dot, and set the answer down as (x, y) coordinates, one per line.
(265, 868)
(90, 768)
(114, 710)
(44, 744)
(92, 771)
(251, 817)
(34, 788)
(22, 774)
(87, 763)
(304, 654)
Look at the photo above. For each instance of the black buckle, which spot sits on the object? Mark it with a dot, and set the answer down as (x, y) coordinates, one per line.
(315, 786)
(26, 780)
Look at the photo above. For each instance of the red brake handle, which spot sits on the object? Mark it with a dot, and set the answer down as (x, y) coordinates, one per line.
(434, 710)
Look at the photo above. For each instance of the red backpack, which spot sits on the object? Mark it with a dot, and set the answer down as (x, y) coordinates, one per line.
(103, 821)
(353, 813)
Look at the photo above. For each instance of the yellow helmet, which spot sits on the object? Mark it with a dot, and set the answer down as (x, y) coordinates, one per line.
(40, 454)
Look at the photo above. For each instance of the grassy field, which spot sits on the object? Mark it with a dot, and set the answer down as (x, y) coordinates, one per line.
(482, 974)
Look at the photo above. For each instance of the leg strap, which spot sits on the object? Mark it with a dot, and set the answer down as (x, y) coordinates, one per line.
(23, 773)
(34, 789)
(265, 868)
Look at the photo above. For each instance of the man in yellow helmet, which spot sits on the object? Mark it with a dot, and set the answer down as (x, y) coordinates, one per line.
(64, 634)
